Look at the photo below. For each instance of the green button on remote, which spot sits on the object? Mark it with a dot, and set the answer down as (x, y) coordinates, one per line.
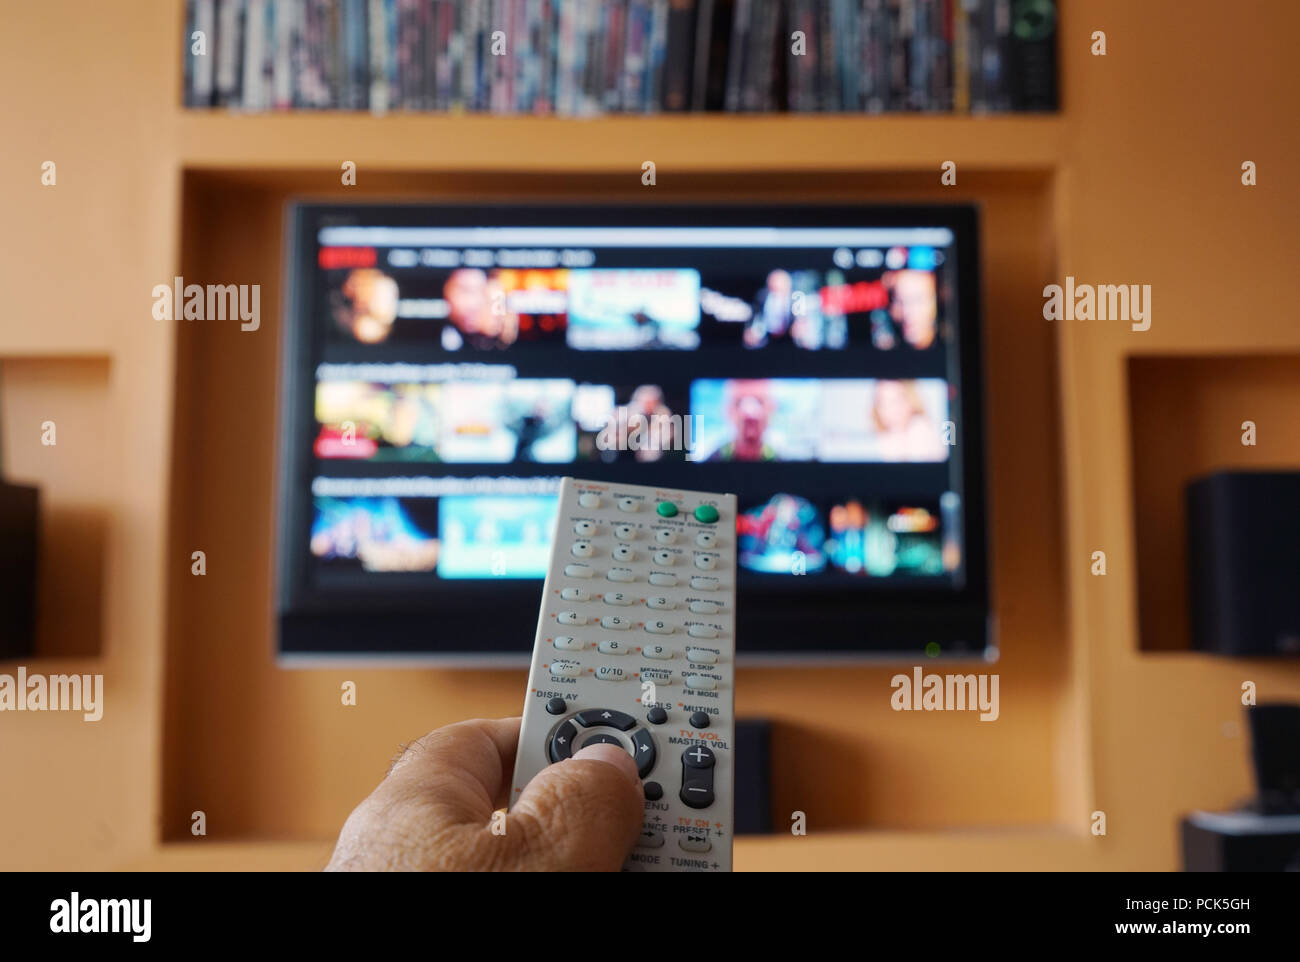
(667, 509)
(706, 514)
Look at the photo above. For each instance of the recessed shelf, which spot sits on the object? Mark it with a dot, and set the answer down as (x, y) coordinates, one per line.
(69, 395)
(1186, 415)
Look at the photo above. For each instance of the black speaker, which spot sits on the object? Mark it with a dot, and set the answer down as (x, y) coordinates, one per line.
(1243, 562)
(753, 776)
(19, 508)
(1241, 842)
(1275, 751)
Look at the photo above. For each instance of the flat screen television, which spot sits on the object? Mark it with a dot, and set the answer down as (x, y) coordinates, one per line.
(444, 366)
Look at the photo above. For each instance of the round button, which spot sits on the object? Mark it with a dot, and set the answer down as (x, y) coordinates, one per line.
(698, 757)
(667, 509)
(589, 500)
(623, 553)
(656, 716)
(653, 791)
(706, 514)
(624, 532)
(705, 562)
(665, 536)
(699, 720)
(630, 504)
(706, 539)
(585, 529)
(697, 793)
(555, 706)
(664, 558)
(582, 549)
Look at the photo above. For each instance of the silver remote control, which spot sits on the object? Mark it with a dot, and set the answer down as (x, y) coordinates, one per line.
(635, 646)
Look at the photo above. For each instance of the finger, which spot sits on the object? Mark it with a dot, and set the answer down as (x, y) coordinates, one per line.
(461, 771)
(580, 815)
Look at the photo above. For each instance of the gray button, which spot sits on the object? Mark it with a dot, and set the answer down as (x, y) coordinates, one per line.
(694, 842)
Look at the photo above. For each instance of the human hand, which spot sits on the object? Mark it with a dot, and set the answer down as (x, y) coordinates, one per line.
(433, 811)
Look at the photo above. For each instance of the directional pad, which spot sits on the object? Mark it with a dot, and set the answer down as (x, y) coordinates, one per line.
(561, 746)
(605, 718)
(569, 735)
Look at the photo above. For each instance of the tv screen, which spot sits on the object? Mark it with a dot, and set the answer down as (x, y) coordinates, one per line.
(444, 367)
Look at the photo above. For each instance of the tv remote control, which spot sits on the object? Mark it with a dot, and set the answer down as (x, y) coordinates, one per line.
(635, 646)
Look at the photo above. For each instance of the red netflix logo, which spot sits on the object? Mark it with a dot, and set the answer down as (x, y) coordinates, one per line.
(336, 258)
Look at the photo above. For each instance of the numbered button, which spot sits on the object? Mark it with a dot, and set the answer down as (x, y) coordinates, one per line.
(589, 499)
(620, 598)
(624, 532)
(569, 643)
(612, 648)
(706, 562)
(661, 579)
(665, 536)
(705, 607)
(659, 627)
(657, 652)
(706, 539)
(664, 559)
(571, 618)
(575, 594)
(584, 529)
(582, 549)
(702, 631)
(628, 504)
(660, 604)
(615, 622)
(610, 673)
(623, 553)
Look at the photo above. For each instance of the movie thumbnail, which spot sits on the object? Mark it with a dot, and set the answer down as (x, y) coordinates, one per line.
(755, 420)
(875, 538)
(495, 422)
(885, 538)
(374, 534)
(804, 419)
(640, 424)
(377, 422)
(883, 420)
(485, 536)
(634, 309)
(783, 536)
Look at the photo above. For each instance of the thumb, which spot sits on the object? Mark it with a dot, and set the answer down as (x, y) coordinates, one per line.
(580, 815)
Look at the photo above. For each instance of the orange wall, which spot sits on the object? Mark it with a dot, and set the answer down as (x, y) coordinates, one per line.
(1138, 183)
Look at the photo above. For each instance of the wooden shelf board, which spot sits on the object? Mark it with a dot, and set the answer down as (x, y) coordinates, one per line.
(1049, 848)
(686, 142)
